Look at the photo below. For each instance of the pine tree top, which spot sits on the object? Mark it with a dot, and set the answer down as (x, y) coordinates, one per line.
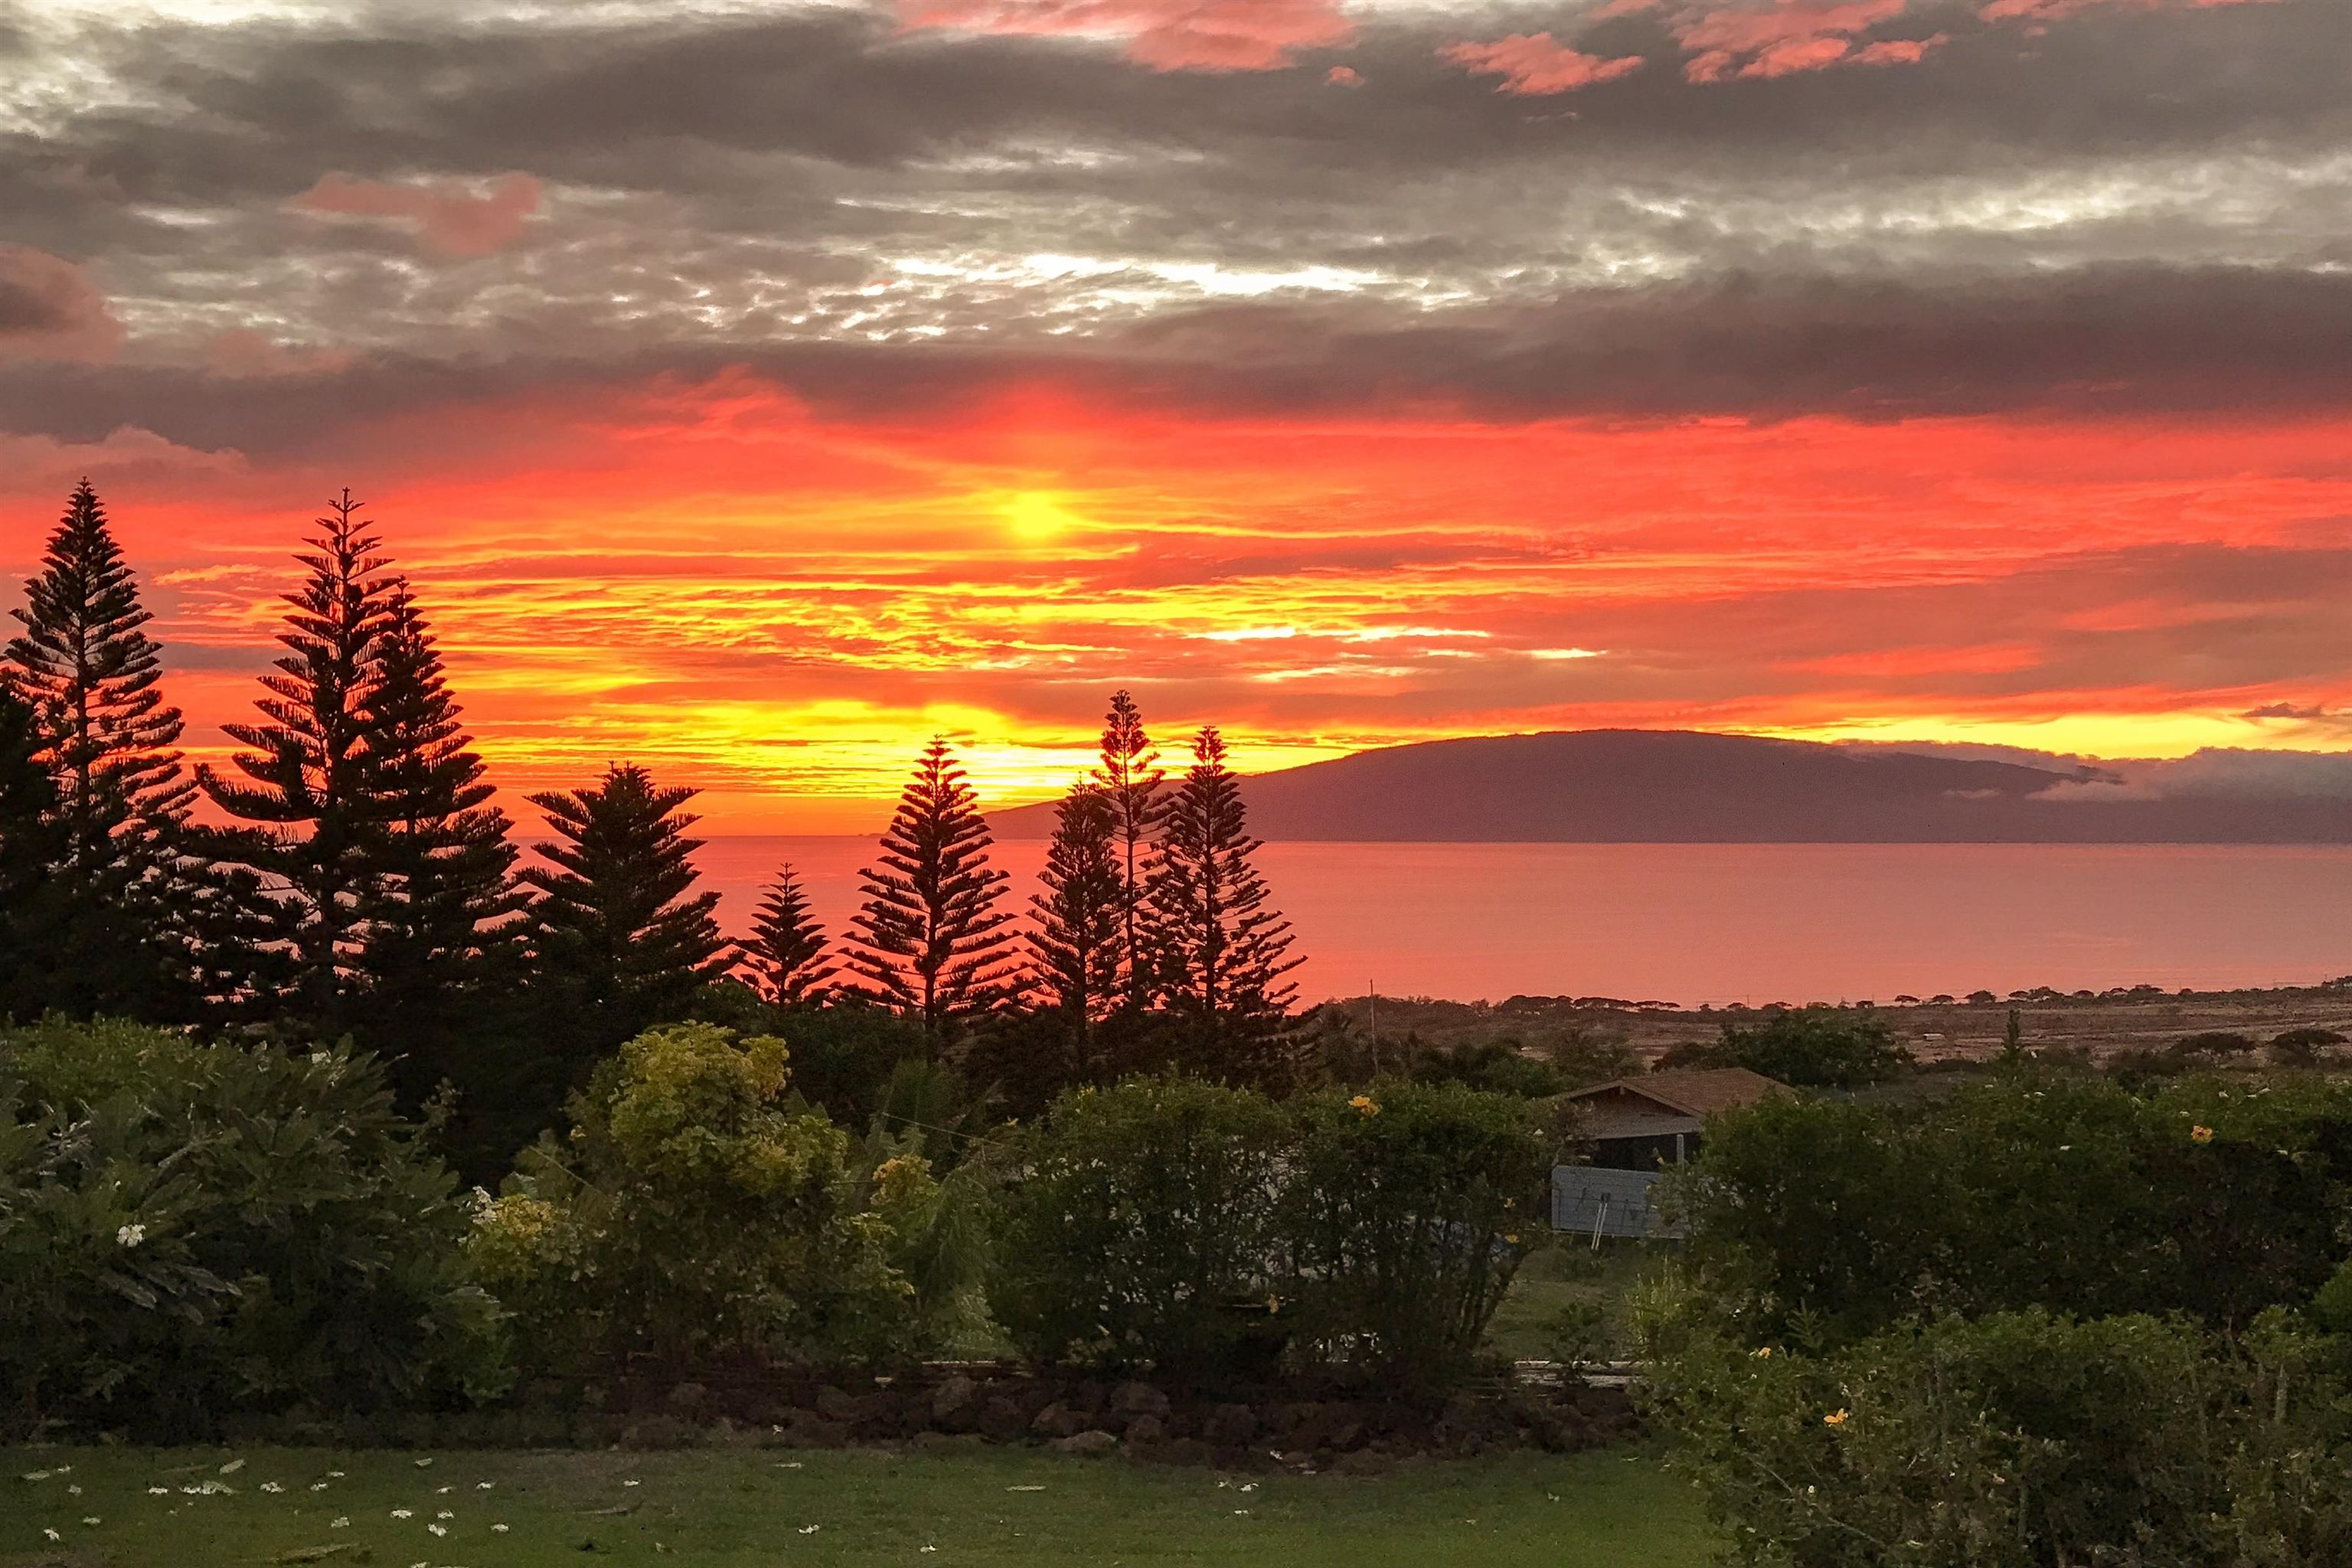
(86, 666)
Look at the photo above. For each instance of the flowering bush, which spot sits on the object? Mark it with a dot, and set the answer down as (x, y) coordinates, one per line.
(696, 1209)
(187, 1233)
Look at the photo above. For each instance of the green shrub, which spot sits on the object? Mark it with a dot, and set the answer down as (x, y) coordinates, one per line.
(1142, 1227)
(1404, 1209)
(2020, 1439)
(190, 1233)
(2053, 1190)
(1202, 1230)
(1495, 1067)
(696, 1211)
(1824, 1048)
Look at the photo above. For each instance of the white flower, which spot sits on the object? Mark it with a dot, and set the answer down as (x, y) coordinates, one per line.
(318, 1486)
(52, 1534)
(440, 1489)
(810, 1528)
(445, 1513)
(130, 1234)
(343, 1521)
(403, 1512)
(498, 1530)
(631, 1483)
(334, 1475)
(159, 1492)
(271, 1487)
(484, 1486)
(423, 1462)
(438, 1529)
(73, 1490)
(91, 1518)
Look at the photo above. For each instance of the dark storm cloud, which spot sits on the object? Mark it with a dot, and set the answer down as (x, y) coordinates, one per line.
(2103, 342)
(2131, 209)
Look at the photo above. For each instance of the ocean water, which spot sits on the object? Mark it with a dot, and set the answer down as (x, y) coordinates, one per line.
(1724, 923)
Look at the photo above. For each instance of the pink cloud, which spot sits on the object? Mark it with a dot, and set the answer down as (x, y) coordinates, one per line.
(1535, 64)
(2056, 10)
(1344, 76)
(1165, 35)
(1899, 51)
(1779, 40)
(50, 309)
(451, 218)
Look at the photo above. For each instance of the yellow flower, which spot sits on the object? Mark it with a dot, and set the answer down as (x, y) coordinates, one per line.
(1834, 1418)
(1364, 1105)
(1512, 1239)
(1273, 1305)
(2201, 1135)
(1764, 1355)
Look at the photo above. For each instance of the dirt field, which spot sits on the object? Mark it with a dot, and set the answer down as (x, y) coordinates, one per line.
(1935, 1030)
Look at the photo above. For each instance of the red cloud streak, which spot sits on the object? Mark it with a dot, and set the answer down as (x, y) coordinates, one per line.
(1165, 35)
(778, 607)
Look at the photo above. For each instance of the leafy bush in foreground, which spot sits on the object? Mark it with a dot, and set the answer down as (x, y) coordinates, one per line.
(699, 1209)
(2059, 1191)
(1406, 1210)
(1143, 1222)
(189, 1232)
(1197, 1229)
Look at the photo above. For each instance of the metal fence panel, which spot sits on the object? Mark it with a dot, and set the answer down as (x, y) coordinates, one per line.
(1587, 1200)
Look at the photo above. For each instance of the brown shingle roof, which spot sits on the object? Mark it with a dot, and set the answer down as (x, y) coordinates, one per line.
(1700, 1092)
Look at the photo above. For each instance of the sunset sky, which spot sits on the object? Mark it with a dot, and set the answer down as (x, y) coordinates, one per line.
(753, 388)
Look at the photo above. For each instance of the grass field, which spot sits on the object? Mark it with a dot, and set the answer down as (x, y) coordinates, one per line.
(1567, 1270)
(1610, 1510)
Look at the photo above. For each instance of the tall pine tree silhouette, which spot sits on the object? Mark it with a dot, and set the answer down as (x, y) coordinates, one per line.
(1223, 953)
(435, 908)
(115, 911)
(1076, 941)
(930, 941)
(307, 790)
(621, 940)
(786, 953)
(1131, 778)
(31, 848)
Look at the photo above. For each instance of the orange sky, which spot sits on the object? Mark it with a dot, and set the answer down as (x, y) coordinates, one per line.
(779, 608)
(753, 390)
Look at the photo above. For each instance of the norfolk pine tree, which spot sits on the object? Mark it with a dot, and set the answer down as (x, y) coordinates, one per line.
(435, 933)
(931, 942)
(113, 919)
(1222, 952)
(620, 940)
(1076, 944)
(786, 953)
(1131, 778)
(307, 791)
(31, 848)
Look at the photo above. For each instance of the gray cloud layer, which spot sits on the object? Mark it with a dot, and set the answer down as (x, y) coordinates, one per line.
(2130, 210)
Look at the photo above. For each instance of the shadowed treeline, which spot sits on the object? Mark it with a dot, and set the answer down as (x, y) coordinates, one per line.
(365, 885)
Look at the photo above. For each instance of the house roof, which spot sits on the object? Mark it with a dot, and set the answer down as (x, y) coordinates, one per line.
(1699, 1092)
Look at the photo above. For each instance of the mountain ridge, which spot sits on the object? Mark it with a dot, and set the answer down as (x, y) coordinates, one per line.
(1689, 786)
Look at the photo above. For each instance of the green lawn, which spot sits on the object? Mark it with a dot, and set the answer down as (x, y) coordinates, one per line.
(1609, 1509)
(1563, 1270)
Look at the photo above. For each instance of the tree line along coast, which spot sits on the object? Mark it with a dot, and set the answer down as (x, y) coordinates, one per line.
(354, 879)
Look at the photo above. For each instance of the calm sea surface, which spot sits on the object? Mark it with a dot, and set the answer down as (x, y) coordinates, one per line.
(1709, 922)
